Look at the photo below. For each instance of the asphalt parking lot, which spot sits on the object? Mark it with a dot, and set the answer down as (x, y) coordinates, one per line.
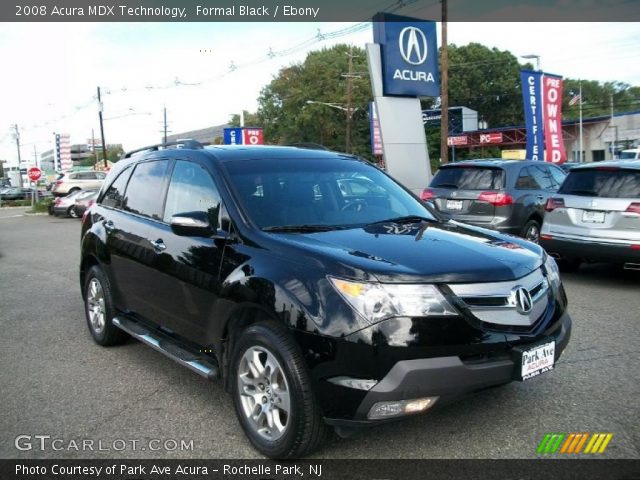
(55, 381)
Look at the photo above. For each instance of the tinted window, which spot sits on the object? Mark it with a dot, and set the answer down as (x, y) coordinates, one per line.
(604, 182)
(115, 193)
(469, 178)
(302, 191)
(558, 175)
(100, 175)
(543, 177)
(145, 191)
(192, 190)
(526, 180)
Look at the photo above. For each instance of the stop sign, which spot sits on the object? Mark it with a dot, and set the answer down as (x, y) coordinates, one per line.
(34, 174)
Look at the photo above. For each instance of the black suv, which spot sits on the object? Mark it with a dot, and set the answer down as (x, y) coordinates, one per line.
(317, 288)
(504, 195)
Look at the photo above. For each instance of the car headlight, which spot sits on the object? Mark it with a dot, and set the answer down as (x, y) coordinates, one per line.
(553, 273)
(379, 301)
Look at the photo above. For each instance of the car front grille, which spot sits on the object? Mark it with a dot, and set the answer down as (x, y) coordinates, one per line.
(496, 304)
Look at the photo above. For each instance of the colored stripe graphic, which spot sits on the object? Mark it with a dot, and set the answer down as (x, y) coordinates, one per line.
(572, 443)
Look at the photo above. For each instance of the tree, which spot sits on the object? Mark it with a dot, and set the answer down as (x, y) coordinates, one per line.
(287, 117)
(597, 98)
(486, 80)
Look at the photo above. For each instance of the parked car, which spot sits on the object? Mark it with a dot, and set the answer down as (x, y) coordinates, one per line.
(5, 183)
(630, 154)
(65, 206)
(73, 181)
(16, 193)
(264, 267)
(83, 202)
(504, 195)
(568, 166)
(595, 216)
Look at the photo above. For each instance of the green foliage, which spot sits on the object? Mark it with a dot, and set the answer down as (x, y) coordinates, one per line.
(286, 116)
(486, 80)
(42, 206)
(597, 98)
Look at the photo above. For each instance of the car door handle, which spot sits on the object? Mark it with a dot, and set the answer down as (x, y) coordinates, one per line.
(158, 245)
(109, 227)
(540, 197)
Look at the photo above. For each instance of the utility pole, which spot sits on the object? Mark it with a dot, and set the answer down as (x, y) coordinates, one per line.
(444, 90)
(104, 146)
(349, 110)
(580, 158)
(613, 144)
(17, 135)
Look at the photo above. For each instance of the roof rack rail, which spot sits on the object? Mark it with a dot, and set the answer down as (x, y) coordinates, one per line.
(180, 143)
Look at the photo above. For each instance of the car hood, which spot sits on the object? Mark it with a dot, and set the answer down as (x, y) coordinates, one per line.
(447, 252)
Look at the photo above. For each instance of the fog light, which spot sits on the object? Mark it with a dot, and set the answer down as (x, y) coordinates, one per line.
(398, 408)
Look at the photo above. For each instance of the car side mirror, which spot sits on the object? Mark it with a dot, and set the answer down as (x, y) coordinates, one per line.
(192, 224)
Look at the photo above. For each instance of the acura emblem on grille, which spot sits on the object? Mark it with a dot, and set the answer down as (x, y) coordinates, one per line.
(521, 298)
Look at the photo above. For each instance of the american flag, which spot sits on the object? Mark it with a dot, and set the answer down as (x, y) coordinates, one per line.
(575, 99)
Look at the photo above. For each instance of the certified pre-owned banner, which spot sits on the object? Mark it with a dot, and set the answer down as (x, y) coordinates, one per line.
(553, 143)
(532, 97)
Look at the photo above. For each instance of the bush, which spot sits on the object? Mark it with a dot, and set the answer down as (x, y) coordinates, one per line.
(42, 206)
(16, 203)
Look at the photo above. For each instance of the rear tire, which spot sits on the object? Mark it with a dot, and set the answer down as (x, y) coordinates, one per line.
(72, 212)
(99, 309)
(531, 231)
(568, 265)
(272, 393)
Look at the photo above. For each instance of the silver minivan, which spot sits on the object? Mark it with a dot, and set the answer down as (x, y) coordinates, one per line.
(595, 216)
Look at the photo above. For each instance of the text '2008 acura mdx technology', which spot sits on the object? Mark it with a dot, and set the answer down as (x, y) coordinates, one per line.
(321, 292)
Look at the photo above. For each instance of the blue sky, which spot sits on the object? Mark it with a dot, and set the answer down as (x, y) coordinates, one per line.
(56, 68)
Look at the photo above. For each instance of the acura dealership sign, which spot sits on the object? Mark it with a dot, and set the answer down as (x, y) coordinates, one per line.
(409, 55)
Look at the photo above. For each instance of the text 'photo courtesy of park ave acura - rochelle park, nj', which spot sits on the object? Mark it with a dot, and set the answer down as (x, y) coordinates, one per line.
(369, 240)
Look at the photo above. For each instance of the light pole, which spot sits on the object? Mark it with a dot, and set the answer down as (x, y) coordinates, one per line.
(349, 111)
(532, 56)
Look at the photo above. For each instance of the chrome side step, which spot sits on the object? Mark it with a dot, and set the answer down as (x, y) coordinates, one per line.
(202, 365)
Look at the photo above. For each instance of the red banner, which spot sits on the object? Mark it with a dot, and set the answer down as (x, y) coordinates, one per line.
(552, 116)
(459, 140)
(495, 137)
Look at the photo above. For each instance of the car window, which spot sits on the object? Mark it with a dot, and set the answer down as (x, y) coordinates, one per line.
(192, 190)
(603, 182)
(469, 178)
(145, 191)
(115, 193)
(100, 175)
(558, 175)
(526, 180)
(543, 177)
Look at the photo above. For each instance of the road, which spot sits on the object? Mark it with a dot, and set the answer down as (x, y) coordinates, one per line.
(55, 381)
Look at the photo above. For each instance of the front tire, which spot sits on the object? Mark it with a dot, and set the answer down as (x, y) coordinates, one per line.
(531, 231)
(272, 393)
(99, 309)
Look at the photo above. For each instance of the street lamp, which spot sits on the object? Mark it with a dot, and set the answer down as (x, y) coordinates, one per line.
(531, 56)
(349, 111)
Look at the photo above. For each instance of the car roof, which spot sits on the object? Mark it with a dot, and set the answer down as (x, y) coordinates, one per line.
(492, 162)
(629, 164)
(244, 152)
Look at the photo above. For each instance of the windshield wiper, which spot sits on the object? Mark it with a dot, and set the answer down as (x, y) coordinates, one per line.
(404, 219)
(301, 228)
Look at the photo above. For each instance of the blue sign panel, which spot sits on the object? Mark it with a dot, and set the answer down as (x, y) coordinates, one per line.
(409, 52)
(233, 136)
(532, 97)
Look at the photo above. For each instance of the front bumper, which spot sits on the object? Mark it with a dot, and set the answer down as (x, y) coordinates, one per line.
(449, 377)
(565, 248)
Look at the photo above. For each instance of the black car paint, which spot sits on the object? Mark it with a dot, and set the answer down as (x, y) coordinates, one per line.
(203, 289)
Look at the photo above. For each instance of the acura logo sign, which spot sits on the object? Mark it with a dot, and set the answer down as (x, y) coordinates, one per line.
(413, 45)
(521, 298)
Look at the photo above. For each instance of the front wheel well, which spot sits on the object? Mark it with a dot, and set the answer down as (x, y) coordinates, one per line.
(243, 317)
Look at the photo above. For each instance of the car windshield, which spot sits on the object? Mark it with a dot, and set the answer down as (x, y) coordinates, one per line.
(602, 182)
(318, 193)
(469, 178)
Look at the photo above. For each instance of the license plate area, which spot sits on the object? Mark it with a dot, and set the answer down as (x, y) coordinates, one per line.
(454, 205)
(591, 216)
(533, 361)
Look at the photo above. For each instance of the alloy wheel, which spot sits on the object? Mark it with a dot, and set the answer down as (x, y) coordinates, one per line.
(96, 306)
